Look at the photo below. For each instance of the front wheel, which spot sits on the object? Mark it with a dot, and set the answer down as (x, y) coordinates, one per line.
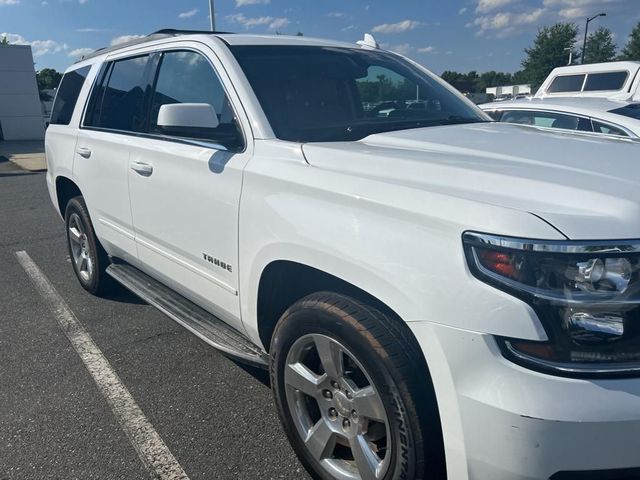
(352, 394)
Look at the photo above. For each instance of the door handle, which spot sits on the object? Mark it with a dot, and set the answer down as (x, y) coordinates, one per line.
(143, 169)
(84, 152)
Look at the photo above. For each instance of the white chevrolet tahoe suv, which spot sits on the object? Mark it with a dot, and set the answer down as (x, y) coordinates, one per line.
(436, 295)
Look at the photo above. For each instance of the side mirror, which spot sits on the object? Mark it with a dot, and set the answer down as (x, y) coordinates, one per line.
(189, 115)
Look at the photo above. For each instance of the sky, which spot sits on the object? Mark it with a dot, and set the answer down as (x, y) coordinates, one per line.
(461, 35)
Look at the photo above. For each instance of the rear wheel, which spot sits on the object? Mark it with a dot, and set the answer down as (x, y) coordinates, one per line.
(347, 387)
(88, 258)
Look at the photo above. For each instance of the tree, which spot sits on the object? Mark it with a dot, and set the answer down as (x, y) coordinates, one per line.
(600, 46)
(548, 51)
(632, 50)
(519, 78)
(48, 78)
(4, 40)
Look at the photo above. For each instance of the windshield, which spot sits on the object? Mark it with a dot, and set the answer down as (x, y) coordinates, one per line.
(320, 94)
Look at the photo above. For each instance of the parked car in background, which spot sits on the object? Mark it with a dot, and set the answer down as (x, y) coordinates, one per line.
(619, 80)
(586, 115)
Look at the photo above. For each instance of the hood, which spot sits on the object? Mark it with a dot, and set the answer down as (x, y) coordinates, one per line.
(586, 187)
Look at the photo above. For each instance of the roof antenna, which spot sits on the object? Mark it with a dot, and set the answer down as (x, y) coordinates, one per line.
(369, 42)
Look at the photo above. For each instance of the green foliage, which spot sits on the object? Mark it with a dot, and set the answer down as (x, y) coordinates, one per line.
(548, 51)
(4, 40)
(473, 82)
(48, 78)
(600, 46)
(632, 50)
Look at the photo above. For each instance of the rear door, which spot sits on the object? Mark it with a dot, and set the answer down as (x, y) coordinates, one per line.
(185, 186)
(62, 133)
(116, 113)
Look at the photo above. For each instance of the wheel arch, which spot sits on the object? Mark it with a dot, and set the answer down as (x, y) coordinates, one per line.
(66, 189)
(283, 282)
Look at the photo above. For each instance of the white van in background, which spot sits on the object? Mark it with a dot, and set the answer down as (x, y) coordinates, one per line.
(611, 79)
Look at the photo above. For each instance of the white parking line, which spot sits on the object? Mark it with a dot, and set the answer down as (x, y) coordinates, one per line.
(150, 447)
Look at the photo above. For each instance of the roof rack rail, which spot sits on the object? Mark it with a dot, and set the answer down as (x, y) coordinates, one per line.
(177, 31)
(163, 33)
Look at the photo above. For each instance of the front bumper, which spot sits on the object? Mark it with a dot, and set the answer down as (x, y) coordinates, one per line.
(502, 421)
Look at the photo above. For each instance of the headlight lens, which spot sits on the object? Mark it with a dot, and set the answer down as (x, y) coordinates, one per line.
(587, 295)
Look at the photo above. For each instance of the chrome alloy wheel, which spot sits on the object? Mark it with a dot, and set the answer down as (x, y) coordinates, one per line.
(80, 248)
(336, 409)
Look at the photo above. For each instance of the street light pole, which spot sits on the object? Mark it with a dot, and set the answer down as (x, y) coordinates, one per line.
(212, 15)
(586, 29)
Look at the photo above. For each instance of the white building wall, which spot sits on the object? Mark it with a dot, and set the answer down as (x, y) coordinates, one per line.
(20, 108)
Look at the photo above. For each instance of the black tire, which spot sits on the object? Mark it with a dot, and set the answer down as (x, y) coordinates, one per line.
(98, 282)
(392, 359)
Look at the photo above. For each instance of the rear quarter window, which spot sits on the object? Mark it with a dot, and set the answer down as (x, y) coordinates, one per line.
(601, 127)
(67, 96)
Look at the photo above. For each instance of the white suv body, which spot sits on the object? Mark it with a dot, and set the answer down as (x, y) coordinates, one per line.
(384, 215)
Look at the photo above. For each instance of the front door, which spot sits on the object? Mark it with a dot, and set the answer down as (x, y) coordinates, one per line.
(185, 189)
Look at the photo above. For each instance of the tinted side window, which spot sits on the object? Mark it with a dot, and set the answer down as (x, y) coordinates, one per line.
(119, 101)
(188, 77)
(605, 81)
(545, 119)
(566, 83)
(67, 96)
(495, 114)
(605, 128)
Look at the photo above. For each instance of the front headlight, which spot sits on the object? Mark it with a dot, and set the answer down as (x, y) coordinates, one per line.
(586, 294)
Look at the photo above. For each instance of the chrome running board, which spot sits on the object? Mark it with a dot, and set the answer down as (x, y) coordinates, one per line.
(192, 317)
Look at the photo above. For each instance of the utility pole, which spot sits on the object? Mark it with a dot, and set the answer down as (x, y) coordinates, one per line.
(586, 29)
(212, 15)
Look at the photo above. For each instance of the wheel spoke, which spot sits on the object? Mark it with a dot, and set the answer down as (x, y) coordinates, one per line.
(366, 461)
(331, 356)
(369, 404)
(321, 440)
(74, 235)
(82, 266)
(89, 263)
(301, 378)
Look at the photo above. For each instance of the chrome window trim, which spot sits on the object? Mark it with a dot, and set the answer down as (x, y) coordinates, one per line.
(167, 138)
(588, 247)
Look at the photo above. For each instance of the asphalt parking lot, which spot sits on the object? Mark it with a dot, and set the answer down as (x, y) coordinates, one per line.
(216, 417)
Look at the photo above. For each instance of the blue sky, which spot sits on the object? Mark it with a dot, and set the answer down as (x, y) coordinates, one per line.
(458, 35)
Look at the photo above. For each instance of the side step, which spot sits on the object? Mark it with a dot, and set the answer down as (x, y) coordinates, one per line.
(194, 318)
